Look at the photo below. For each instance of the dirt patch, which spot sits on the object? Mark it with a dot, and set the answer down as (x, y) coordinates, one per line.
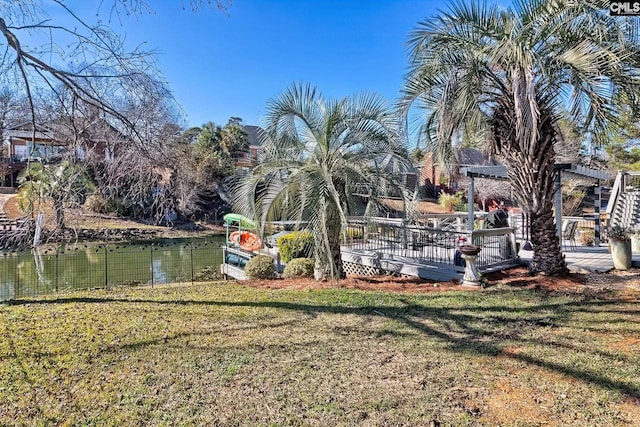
(510, 402)
(517, 277)
(624, 344)
(616, 279)
(631, 408)
(539, 395)
(11, 208)
(379, 283)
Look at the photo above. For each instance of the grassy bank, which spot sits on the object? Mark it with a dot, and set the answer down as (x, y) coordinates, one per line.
(82, 219)
(222, 354)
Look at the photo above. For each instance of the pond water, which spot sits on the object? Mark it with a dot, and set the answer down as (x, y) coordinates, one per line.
(78, 266)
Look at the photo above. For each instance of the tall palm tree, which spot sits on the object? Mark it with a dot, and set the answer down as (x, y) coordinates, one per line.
(503, 76)
(318, 153)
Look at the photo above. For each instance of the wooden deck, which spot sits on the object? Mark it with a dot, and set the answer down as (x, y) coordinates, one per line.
(585, 259)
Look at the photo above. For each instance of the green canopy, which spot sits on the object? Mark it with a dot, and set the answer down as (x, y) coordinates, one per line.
(242, 221)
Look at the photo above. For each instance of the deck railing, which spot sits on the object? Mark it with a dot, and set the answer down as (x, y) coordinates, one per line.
(395, 238)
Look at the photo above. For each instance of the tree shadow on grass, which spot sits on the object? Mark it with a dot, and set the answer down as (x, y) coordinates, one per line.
(472, 328)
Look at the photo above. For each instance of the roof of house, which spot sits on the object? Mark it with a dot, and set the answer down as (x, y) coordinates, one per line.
(472, 156)
(57, 131)
(27, 125)
(254, 135)
(23, 131)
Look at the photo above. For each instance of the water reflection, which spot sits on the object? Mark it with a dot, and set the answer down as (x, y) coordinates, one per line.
(85, 266)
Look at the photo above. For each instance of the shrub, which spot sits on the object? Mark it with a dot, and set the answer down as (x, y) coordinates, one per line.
(96, 203)
(99, 204)
(354, 233)
(298, 244)
(450, 202)
(299, 267)
(618, 232)
(260, 267)
(587, 238)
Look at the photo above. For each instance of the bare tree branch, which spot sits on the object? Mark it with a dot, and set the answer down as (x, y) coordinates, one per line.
(96, 53)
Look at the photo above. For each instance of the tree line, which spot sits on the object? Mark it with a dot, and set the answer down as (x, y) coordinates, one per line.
(176, 174)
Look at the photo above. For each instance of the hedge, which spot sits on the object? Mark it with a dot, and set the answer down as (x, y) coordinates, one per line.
(260, 267)
(298, 244)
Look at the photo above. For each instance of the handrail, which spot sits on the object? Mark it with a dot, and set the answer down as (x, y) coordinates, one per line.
(486, 232)
(615, 192)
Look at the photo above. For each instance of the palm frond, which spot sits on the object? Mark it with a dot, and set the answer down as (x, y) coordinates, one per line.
(316, 153)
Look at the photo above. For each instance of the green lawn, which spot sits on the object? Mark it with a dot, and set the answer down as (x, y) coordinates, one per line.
(223, 354)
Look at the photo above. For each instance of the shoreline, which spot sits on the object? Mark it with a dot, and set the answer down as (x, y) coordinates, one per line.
(128, 233)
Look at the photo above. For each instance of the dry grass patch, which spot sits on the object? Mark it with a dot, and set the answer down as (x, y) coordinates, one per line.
(11, 208)
(224, 354)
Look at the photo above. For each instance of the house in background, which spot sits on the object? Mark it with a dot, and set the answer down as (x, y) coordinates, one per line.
(431, 175)
(247, 160)
(21, 144)
(429, 181)
(51, 142)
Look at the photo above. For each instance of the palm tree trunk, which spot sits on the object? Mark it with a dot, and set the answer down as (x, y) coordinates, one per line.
(327, 245)
(534, 190)
(531, 169)
(336, 256)
(547, 256)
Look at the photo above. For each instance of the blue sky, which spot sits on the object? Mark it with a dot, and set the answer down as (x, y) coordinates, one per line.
(220, 64)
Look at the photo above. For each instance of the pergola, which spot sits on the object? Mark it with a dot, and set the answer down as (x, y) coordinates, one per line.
(566, 171)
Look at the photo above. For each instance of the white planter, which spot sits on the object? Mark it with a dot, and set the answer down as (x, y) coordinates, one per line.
(621, 253)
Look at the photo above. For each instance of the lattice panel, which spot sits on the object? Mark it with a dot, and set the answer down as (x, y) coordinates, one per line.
(353, 269)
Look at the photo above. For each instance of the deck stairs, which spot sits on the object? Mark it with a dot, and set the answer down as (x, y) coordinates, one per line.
(627, 211)
(5, 222)
(624, 204)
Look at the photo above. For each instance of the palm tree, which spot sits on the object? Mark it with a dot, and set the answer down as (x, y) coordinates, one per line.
(318, 153)
(62, 183)
(503, 76)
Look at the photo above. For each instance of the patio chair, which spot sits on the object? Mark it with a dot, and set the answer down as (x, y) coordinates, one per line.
(569, 232)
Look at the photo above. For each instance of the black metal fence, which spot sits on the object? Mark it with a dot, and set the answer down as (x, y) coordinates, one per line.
(46, 270)
(433, 245)
(498, 246)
